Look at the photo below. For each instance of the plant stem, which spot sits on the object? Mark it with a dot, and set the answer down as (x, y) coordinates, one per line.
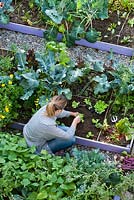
(85, 87)
(106, 113)
(122, 27)
(66, 24)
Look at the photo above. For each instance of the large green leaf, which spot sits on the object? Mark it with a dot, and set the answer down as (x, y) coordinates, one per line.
(102, 84)
(100, 7)
(69, 186)
(21, 59)
(42, 195)
(25, 182)
(30, 80)
(66, 91)
(4, 10)
(42, 61)
(32, 195)
(104, 11)
(44, 100)
(74, 74)
(54, 15)
(12, 156)
(45, 61)
(98, 66)
(92, 35)
(57, 73)
(2, 160)
(4, 19)
(77, 31)
(27, 95)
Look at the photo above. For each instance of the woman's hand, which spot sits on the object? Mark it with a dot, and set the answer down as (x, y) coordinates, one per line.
(75, 114)
(76, 121)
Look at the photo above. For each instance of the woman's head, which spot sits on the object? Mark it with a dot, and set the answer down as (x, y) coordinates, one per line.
(57, 103)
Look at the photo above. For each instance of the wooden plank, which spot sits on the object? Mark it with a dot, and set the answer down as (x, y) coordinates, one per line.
(107, 47)
(101, 145)
(97, 45)
(85, 142)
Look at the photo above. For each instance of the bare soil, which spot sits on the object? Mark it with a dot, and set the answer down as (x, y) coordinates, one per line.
(87, 126)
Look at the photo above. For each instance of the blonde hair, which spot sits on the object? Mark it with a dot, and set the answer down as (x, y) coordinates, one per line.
(57, 103)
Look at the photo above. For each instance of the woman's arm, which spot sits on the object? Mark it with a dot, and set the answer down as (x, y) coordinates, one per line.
(66, 113)
(59, 133)
(74, 114)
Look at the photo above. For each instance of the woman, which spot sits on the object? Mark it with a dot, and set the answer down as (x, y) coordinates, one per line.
(42, 132)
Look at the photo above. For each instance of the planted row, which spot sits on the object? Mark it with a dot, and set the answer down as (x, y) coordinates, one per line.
(84, 175)
(29, 79)
(74, 19)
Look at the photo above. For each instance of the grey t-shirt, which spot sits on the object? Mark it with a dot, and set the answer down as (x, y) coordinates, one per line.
(42, 128)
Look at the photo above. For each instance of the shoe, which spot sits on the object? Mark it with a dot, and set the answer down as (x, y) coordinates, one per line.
(60, 153)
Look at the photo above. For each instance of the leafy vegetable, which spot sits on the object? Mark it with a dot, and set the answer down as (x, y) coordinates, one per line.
(92, 35)
(5, 8)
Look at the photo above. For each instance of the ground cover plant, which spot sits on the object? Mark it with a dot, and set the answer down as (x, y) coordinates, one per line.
(9, 92)
(84, 175)
(110, 21)
(102, 94)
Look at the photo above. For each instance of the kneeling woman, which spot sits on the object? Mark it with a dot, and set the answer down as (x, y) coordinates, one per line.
(42, 131)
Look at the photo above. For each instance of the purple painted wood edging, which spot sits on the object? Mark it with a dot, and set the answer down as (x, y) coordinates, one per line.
(97, 45)
(101, 145)
(23, 29)
(107, 47)
(87, 142)
(17, 125)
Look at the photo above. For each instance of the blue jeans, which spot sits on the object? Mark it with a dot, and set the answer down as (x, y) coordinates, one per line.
(60, 144)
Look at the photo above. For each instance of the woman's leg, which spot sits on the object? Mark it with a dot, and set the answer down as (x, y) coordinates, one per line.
(59, 144)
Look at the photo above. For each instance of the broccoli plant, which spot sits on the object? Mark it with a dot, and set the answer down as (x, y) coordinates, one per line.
(5, 8)
(48, 74)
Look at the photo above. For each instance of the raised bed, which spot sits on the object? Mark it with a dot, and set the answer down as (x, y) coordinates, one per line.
(89, 142)
(97, 45)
